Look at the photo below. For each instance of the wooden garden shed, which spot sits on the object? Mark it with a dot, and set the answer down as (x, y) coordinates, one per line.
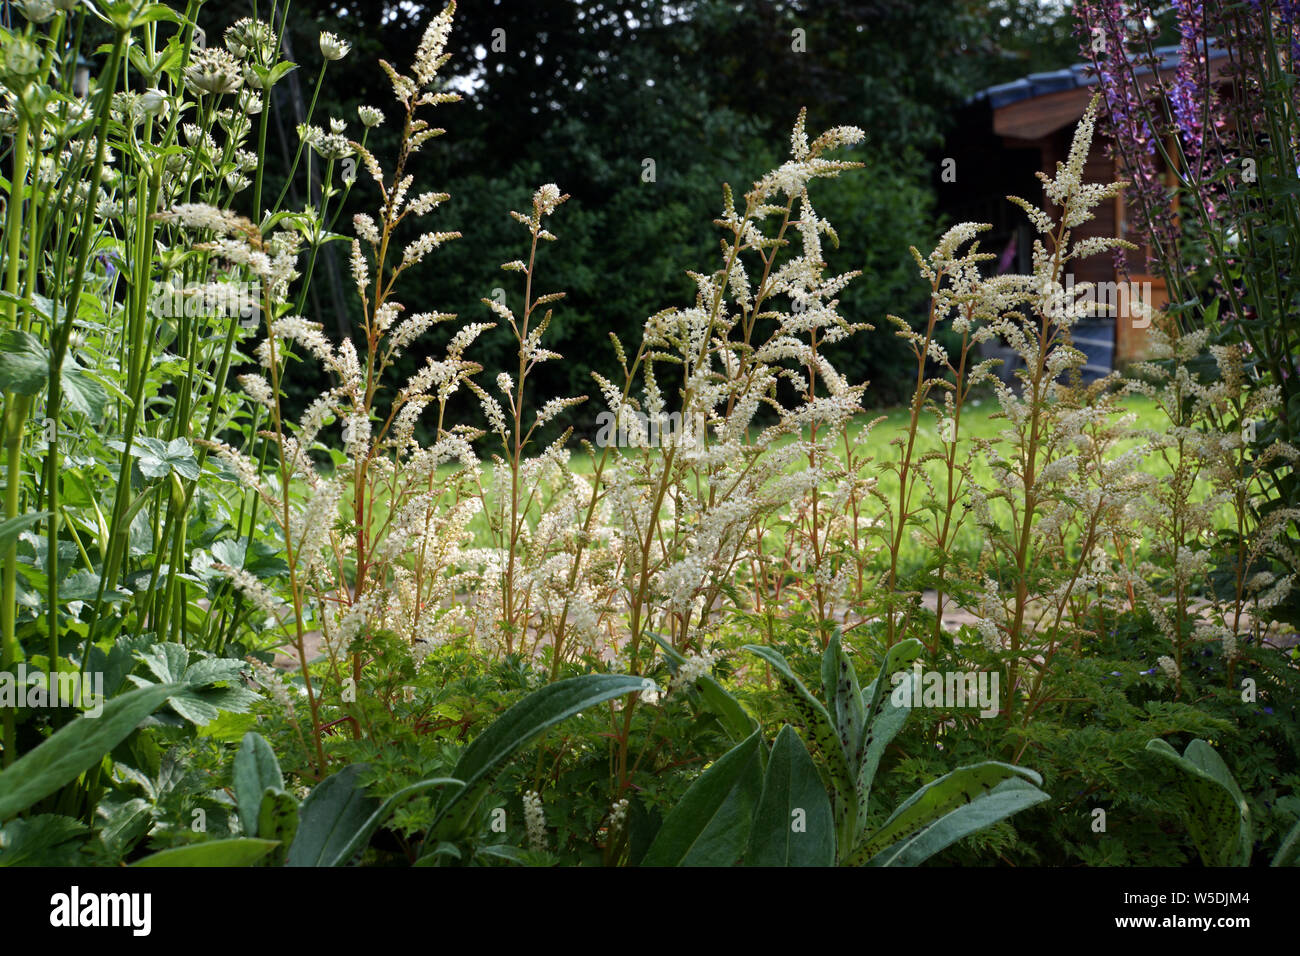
(1003, 135)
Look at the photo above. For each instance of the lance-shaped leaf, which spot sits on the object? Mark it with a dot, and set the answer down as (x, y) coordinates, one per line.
(240, 851)
(75, 748)
(1008, 797)
(485, 758)
(384, 811)
(735, 720)
(710, 826)
(935, 800)
(1218, 817)
(793, 825)
(817, 723)
(338, 818)
(329, 818)
(844, 700)
(1289, 852)
(888, 706)
(256, 770)
(13, 527)
(277, 819)
(876, 698)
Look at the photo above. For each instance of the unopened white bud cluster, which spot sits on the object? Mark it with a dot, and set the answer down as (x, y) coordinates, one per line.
(534, 820)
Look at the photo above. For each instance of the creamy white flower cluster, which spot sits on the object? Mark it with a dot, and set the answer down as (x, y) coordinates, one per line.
(692, 669)
(534, 820)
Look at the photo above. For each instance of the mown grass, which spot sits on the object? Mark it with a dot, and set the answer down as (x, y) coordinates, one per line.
(979, 420)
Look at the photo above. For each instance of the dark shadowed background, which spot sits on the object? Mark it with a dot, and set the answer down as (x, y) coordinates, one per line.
(582, 94)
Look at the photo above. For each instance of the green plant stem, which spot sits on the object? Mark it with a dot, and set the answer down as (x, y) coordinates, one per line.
(62, 337)
(16, 407)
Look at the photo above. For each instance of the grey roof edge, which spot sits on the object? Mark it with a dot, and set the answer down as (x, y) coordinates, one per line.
(1076, 76)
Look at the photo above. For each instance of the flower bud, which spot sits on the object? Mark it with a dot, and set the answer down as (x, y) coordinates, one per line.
(154, 102)
(37, 11)
(22, 58)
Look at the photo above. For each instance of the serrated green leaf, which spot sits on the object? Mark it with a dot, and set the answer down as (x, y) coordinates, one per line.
(24, 363)
(167, 662)
(158, 459)
(82, 392)
(214, 670)
(84, 586)
(44, 840)
(153, 12)
(124, 823)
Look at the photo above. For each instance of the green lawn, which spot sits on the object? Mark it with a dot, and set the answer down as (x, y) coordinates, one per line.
(977, 420)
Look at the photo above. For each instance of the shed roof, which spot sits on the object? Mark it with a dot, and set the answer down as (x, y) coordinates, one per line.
(1041, 103)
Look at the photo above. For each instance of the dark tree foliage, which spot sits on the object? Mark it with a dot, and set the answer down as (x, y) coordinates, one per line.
(584, 94)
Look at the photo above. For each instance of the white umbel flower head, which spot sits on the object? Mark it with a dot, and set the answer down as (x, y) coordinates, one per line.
(213, 71)
(154, 102)
(332, 47)
(37, 11)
